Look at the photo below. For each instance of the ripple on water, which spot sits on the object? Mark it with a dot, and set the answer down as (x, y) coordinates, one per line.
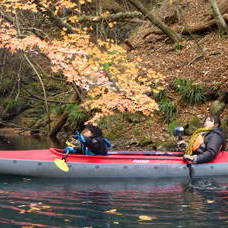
(109, 203)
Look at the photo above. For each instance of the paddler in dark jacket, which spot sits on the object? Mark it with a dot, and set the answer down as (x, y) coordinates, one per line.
(91, 142)
(206, 142)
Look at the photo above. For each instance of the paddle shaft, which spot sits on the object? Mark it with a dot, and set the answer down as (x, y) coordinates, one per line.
(65, 155)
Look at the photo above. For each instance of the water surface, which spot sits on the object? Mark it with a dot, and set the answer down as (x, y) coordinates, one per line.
(39, 202)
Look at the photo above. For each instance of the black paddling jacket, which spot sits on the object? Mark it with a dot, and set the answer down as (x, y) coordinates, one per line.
(214, 141)
(96, 145)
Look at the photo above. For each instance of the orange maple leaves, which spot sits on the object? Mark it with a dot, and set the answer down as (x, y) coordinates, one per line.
(103, 69)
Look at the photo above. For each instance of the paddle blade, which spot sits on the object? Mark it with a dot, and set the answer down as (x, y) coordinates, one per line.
(61, 164)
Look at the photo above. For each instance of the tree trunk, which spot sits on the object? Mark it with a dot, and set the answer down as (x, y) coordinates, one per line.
(58, 126)
(156, 21)
(218, 17)
(223, 6)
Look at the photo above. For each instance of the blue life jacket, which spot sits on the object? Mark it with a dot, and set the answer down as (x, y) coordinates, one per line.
(84, 149)
(87, 151)
(107, 143)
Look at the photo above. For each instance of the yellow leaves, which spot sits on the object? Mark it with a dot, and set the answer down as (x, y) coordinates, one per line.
(73, 19)
(82, 2)
(65, 4)
(34, 208)
(158, 89)
(146, 112)
(113, 211)
(113, 81)
(96, 91)
(105, 13)
(112, 24)
(171, 1)
(146, 218)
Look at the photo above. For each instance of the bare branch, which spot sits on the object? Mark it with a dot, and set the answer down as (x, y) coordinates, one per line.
(156, 21)
(218, 17)
(54, 18)
(42, 84)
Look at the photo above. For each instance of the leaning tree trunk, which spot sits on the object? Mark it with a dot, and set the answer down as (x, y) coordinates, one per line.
(218, 17)
(59, 124)
(175, 37)
(223, 6)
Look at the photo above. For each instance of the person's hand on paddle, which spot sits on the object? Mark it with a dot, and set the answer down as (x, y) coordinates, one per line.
(190, 158)
(79, 136)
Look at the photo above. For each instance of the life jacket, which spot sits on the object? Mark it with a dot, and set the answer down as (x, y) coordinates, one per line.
(198, 142)
(107, 143)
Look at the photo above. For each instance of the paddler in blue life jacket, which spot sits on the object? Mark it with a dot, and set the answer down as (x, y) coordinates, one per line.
(206, 142)
(89, 142)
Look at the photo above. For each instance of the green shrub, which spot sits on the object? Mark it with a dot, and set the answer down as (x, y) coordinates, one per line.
(76, 115)
(6, 86)
(167, 109)
(179, 46)
(12, 106)
(190, 93)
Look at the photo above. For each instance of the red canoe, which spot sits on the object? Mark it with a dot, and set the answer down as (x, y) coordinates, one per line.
(118, 164)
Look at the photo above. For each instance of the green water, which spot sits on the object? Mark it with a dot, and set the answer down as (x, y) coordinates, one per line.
(28, 142)
(109, 203)
(35, 202)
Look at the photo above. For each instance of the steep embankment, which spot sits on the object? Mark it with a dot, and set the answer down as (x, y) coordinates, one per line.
(201, 58)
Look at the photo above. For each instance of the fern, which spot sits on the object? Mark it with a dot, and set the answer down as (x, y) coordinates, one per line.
(168, 110)
(190, 93)
(12, 106)
(75, 113)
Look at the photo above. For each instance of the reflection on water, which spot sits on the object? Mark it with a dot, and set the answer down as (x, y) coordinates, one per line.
(110, 203)
(28, 142)
(36, 202)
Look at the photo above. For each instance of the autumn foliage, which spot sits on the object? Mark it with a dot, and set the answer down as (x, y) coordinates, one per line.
(112, 82)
